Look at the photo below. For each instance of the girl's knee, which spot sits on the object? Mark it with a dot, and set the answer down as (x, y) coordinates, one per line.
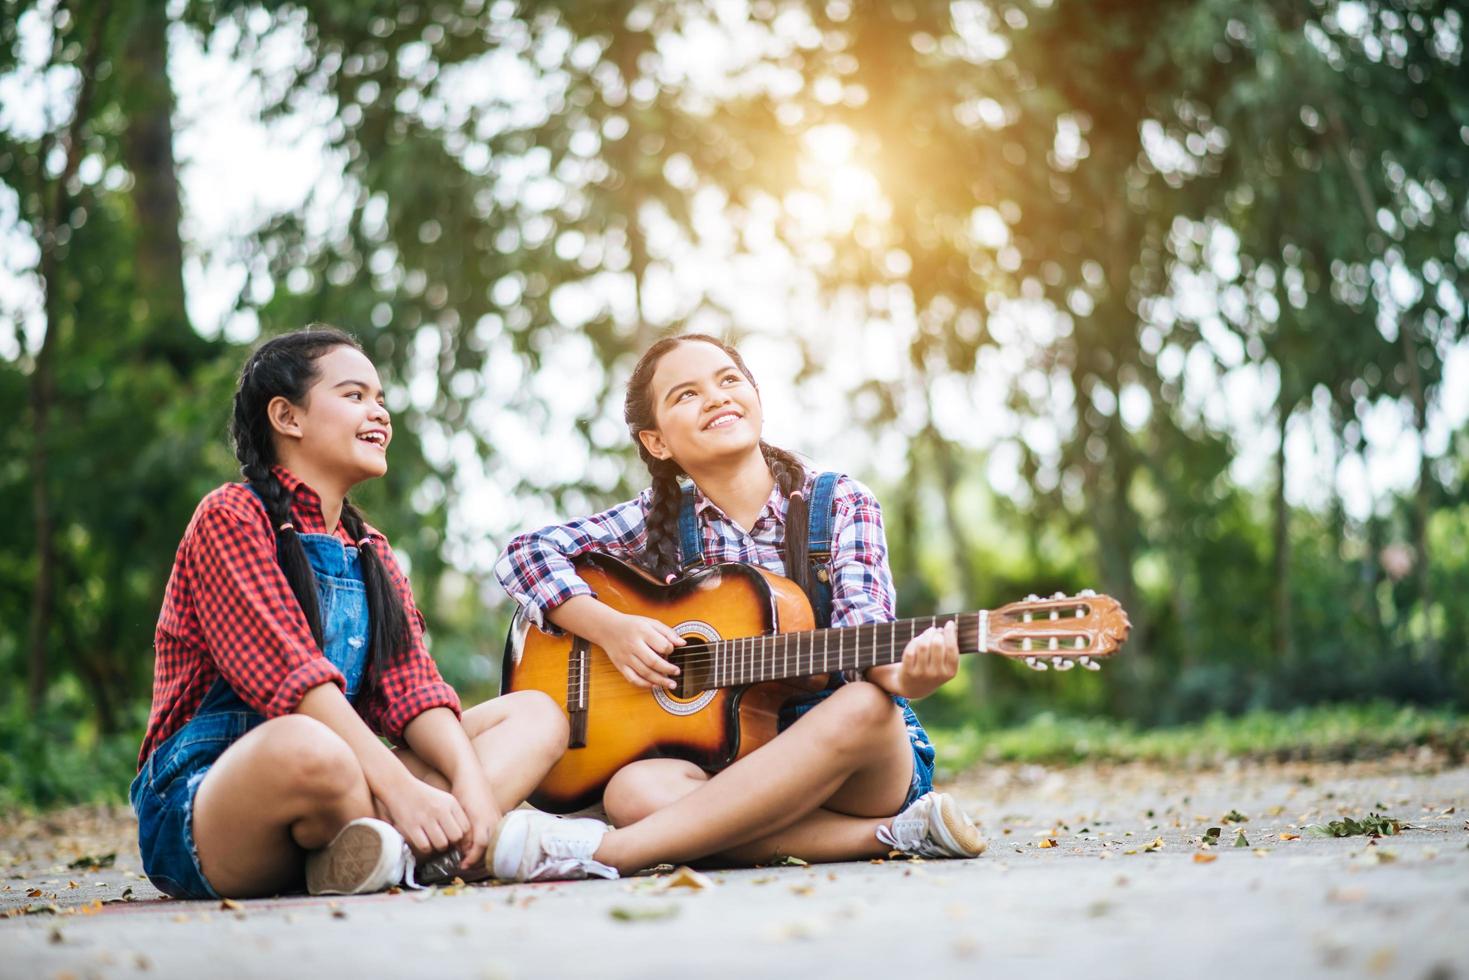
(862, 703)
(638, 789)
(856, 715)
(540, 724)
(308, 759)
(544, 718)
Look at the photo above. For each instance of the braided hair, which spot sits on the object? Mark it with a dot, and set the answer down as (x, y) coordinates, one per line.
(285, 367)
(661, 553)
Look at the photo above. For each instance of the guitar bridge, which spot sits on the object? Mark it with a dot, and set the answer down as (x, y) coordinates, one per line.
(577, 668)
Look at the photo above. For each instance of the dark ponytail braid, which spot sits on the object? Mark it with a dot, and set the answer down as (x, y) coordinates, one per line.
(661, 553)
(285, 367)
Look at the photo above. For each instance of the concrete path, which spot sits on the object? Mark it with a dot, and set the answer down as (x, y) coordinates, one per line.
(1092, 872)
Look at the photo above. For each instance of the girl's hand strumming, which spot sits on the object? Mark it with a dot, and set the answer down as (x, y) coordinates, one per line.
(636, 645)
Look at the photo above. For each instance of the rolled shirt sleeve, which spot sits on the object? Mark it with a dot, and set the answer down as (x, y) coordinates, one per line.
(536, 571)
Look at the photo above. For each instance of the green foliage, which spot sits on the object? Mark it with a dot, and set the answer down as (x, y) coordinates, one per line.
(1323, 733)
(59, 757)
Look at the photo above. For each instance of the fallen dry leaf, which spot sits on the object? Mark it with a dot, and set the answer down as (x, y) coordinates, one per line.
(645, 913)
(230, 905)
(1202, 858)
(1048, 842)
(686, 877)
(1346, 895)
(1289, 836)
(1156, 845)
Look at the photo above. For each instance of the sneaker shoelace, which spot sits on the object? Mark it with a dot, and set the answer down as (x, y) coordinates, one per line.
(911, 837)
(405, 860)
(565, 856)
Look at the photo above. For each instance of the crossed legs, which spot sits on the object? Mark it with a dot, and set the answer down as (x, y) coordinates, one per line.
(818, 790)
(289, 785)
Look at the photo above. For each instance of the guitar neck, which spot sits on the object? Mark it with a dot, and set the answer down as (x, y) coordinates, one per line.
(755, 659)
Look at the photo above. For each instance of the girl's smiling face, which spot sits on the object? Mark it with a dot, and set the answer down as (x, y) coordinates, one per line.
(706, 410)
(341, 428)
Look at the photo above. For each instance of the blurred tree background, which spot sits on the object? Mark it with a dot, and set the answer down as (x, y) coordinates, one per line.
(1161, 298)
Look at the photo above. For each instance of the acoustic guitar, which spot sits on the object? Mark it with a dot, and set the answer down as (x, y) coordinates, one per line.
(751, 648)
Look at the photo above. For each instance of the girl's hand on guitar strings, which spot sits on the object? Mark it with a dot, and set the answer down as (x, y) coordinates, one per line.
(930, 660)
(636, 645)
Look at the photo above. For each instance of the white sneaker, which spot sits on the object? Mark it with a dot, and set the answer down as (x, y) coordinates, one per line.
(533, 846)
(934, 826)
(367, 855)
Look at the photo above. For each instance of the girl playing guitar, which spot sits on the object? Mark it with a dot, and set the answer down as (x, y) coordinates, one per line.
(850, 775)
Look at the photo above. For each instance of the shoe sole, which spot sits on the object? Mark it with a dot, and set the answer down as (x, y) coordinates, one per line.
(958, 832)
(355, 861)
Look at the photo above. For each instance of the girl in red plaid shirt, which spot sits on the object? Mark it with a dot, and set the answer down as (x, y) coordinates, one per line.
(288, 642)
(850, 775)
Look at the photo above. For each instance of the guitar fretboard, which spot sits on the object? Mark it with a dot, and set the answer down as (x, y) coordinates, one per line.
(755, 659)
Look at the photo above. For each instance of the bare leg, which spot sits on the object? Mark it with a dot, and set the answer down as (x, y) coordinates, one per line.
(283, 789)
(849, 755)
(517, 737)
(645, 787)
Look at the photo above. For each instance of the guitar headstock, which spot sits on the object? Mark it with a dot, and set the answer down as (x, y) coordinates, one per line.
(1061, 630)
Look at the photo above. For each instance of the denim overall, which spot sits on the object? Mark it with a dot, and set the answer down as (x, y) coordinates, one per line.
(818, 552)
(163, 792)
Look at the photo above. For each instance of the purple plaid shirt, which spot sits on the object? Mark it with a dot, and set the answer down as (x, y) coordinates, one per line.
(536, 569)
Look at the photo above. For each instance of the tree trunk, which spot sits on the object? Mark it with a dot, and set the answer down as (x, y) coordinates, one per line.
(1422, 503)
(56, 212)
(147, 150)
(1281, 588)
(42, 397)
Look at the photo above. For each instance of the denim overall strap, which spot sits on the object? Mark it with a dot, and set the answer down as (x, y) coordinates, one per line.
(690, 540)
(818, 547)
(341, 598)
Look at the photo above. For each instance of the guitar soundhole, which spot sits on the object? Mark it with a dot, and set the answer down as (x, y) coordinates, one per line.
(692, 659)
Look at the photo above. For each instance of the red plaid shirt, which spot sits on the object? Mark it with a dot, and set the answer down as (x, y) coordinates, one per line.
(228, 612)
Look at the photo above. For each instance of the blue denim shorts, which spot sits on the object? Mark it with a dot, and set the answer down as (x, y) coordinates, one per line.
(923, 753)
(163, 798)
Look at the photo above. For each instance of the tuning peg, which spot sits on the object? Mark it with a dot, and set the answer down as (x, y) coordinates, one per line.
(1032, 598)
(1035, 664)
(1089, 663)
(1061, 663)
(1058, 595)
(1086, 593)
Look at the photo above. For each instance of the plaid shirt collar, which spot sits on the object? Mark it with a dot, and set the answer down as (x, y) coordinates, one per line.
(773, 511)
(306, 509)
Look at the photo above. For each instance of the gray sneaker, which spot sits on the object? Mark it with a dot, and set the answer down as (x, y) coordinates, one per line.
(934, 826)
(367, 855)
(533, 846)
(441, 869)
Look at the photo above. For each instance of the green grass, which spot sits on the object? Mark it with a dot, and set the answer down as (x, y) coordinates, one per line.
(1322, 733)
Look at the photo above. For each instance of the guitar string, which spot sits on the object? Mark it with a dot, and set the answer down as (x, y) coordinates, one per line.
(604, 672)
(727, 654)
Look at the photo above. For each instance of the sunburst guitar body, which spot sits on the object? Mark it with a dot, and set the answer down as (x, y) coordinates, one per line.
(750, 649)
